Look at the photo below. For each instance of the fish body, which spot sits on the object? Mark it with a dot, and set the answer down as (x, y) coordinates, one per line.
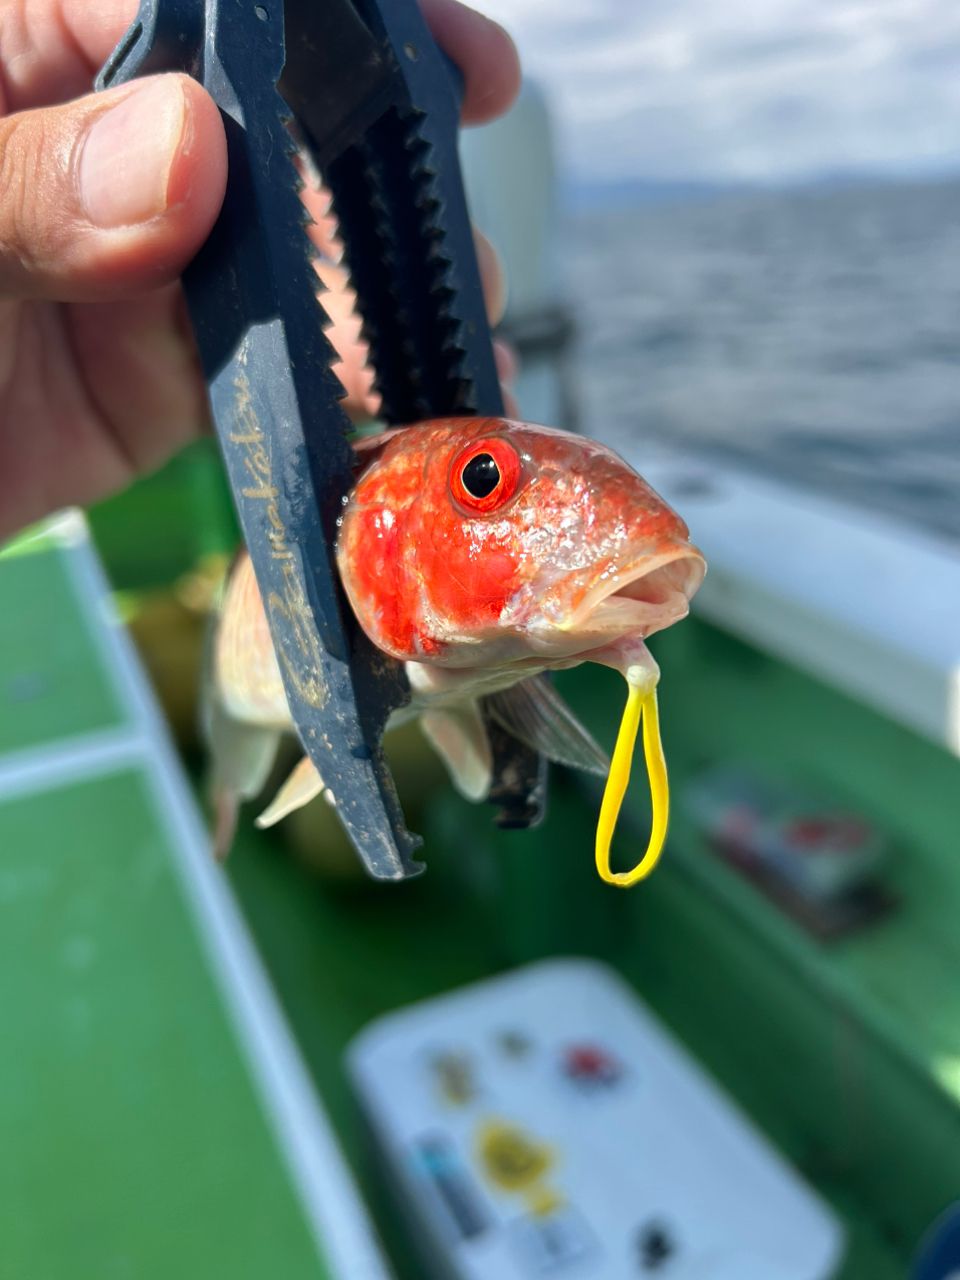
(481, 553)
(442, 568)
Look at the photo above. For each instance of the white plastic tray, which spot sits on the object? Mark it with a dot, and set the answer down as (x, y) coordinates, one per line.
(544, 1124)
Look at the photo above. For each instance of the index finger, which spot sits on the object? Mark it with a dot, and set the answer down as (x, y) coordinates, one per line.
(67, 41)
(484, 53)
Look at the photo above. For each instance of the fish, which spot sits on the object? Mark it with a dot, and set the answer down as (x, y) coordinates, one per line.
(482, 554)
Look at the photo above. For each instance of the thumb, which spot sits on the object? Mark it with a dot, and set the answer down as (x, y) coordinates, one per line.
(111, 194)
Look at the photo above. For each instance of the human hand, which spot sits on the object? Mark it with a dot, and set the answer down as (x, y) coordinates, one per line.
(104, 199)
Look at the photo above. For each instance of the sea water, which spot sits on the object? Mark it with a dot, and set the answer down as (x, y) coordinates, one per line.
(813, 334)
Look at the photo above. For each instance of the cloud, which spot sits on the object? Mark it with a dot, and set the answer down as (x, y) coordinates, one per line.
(676, 89)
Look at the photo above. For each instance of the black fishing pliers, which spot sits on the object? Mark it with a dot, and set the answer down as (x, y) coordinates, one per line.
(361, 86)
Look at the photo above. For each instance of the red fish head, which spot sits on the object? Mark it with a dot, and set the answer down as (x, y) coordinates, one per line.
(483, 543)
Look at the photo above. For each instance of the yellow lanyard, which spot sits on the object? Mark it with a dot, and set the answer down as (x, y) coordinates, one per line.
(641, 705)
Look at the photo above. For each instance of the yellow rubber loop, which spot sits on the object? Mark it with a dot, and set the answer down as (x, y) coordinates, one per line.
(640, 706)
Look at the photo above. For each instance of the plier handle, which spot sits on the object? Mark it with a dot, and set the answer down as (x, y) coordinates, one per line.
(365, 90)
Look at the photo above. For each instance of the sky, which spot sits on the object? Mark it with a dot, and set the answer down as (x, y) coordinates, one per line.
(755, 90)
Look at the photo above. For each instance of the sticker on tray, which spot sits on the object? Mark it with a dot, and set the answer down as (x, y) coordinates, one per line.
(516, 1163)
(451, 1180)
(544, 1244)
(590, 1066)
(514, 1044)
(655, 1248)
(454, 1076)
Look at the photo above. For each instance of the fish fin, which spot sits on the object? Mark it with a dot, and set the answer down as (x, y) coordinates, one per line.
(226, 807)
(458, 736)
(241, 754)
(303, 785)
(240, 666)
(241, 757)
(533, 712)
(366, 447)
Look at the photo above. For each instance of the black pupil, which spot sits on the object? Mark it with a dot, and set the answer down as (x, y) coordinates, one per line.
(481, 476)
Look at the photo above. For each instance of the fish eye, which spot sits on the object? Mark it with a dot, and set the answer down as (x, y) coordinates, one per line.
(485, 475)
(481, 475)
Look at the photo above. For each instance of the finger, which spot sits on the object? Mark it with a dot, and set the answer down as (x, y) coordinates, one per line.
(507, 367)
(506, 362)
(142, 374)
(484, 53)
(51, 49)
(54, 55)
(111, 194)
(491, 276)
(122, 392)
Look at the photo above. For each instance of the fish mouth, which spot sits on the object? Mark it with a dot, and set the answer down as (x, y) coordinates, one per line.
(613, 617)
(618, 616)
(644, 598)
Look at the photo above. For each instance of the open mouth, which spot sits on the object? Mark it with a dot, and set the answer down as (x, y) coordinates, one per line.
(646, 600)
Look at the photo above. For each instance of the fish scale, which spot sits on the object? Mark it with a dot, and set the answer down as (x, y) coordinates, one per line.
(377, 106)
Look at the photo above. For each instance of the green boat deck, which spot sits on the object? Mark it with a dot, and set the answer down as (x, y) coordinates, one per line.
(134, 1110)
(140, 1129)
(356, 955)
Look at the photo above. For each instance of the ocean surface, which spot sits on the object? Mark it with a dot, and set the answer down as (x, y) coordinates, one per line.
(811, 334)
